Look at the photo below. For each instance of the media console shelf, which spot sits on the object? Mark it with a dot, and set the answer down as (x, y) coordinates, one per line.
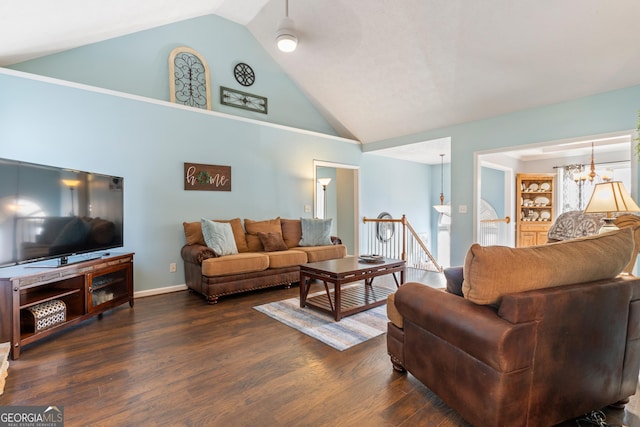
(64, 296)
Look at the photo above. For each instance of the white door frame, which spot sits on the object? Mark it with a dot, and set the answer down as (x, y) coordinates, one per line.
(356, 191)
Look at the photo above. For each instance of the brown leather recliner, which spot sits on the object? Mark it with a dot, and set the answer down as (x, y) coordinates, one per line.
(536, 358)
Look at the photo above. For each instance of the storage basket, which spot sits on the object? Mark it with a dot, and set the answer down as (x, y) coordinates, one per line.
(45, 315)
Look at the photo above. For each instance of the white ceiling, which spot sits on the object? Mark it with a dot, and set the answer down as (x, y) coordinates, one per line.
(379, 69)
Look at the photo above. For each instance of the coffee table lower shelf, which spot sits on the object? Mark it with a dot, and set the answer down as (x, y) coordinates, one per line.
(354, 299)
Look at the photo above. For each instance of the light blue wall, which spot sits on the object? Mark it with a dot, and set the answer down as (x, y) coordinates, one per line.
(397, 187)
(147, 143)
(602, 113)
(435, 187)
(43, 121)
(492, 183)
(138, 64)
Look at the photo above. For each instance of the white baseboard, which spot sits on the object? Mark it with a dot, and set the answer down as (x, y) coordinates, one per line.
(159, 291)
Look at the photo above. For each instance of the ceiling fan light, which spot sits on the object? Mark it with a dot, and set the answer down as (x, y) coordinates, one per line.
(285, 36)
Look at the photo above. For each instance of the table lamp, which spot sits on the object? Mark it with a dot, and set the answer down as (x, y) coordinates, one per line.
(610, 197)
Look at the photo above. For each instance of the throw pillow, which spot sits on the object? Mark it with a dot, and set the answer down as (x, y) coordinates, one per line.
(238, 233)
(219, 237)
(253, 227)
(454, 276)
(272, 241)
(493, 271)
(315, 232)
(291, 232)
(193, 233)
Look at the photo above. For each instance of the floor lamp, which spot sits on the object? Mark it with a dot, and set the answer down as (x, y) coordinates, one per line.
(324, 182)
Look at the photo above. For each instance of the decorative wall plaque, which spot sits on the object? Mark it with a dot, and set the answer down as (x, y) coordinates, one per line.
(207, 177)
(189, 78)
(244, 100)
(244, 74)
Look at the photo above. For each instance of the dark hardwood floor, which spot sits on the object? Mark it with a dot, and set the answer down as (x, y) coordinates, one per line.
(174, 360)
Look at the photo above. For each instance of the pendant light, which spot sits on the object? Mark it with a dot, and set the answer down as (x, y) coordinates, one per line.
(442, 208)
(286, 38)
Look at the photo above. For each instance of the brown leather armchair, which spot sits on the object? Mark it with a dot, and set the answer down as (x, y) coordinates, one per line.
(541, 357)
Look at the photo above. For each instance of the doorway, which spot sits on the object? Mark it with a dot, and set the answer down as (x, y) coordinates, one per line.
(337, 197)
(550, 157)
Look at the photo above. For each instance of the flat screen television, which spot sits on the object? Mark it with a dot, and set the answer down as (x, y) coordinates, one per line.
(49, 212)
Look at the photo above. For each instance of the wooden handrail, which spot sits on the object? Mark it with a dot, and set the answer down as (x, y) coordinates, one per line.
(505, 219)
(365, 219)
(407, 226)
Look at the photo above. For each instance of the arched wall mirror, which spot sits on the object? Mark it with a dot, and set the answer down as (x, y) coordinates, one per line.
(336, 196)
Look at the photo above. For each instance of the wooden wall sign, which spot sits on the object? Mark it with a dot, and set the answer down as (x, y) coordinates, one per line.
(207, 177)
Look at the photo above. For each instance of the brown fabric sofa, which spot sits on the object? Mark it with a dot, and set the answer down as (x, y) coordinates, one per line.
(527, 356)
(254, 266)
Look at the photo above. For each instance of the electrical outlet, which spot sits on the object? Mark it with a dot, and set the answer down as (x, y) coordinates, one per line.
(462, 209)
(307, 208)
(172, 267)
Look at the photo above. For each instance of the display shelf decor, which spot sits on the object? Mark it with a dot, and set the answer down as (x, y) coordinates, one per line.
(244, 100)
(207, 177)
(189, 78)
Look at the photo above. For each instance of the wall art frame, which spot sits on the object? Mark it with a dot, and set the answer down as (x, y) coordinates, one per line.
(244, 100)
(203, 177)
(189, 81)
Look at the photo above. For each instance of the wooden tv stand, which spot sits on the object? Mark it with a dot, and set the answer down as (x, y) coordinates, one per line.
(86, 288)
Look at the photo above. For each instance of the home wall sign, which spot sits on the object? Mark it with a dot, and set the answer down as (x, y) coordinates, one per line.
(244, 100)
(207, 177)
(189, 78)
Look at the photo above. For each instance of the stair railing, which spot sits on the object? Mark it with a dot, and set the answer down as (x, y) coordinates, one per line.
(407, 244)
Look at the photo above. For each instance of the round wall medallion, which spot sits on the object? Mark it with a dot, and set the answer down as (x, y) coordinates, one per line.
(385, 230)
(244, 74)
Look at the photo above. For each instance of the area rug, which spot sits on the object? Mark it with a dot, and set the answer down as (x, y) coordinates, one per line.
(346, 333)
(4, 363)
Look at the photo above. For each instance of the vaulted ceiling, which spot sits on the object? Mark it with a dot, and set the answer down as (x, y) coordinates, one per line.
(380, 69)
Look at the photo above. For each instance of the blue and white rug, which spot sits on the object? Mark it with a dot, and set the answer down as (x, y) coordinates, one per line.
(346, 333)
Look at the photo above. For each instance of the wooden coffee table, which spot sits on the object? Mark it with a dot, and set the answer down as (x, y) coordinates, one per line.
(343, 302)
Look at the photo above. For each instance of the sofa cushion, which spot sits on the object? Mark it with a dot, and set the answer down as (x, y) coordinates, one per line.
(323, 253)
(493, 271)
(219, 237)
(253, 227)
(286, 258)
(315, 232)
(272, 241)
(291, 231)
(193, 233)
(235, 264)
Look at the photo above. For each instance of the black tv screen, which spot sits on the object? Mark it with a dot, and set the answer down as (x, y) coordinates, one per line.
(49, 212)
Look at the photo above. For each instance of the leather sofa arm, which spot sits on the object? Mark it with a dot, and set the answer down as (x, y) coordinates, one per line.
(475, 329)
(195, 254)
